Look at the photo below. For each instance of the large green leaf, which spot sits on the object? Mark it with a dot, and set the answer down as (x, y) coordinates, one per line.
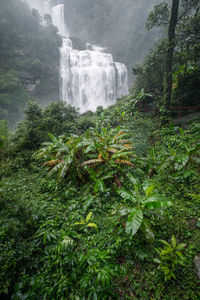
(92, 225)
(88, 217)
(122, 153)
(125, 194)
(52, 137)
(134, 221)
(99, 186)
(149, 189)
(148, 230)
(90, 148)
(155, 202)
(166, 163)
(132, 178)
(57, 167)
(124, 211)
(173, 240)
(181, 162)
(62, 172)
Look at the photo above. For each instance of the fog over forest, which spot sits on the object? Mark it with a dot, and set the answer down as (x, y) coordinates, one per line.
(32, 59)
(119, 26)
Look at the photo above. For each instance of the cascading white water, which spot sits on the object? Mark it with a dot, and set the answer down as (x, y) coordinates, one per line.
(58, 19)
(88, 78)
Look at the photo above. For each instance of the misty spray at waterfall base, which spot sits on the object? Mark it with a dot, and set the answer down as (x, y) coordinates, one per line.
(88, 78)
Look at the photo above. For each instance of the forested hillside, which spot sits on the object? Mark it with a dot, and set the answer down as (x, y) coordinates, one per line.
(107, 208)
(184, 83)
(29, 59)
(102, 205)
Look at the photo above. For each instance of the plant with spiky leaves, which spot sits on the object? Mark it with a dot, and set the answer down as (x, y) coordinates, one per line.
(110, 151)
(105, 152)
(63, 156)
(110, 146)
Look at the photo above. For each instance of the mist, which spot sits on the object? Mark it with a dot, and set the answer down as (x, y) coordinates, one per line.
(109, 36)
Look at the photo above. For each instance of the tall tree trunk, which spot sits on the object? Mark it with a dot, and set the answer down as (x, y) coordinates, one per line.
(170, 52)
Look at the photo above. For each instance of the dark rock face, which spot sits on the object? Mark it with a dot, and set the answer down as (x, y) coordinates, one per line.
(46, 89)
(29, 82)
(197, 264)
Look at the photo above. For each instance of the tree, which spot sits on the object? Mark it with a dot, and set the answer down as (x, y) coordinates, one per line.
(56, 118)
(170, 51)
(181, 51)
(150, 75)
(29, 54)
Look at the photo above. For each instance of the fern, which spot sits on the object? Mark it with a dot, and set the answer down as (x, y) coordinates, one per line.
(124, 162)
(91, 161)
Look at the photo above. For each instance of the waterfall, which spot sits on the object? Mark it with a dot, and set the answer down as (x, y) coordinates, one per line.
(88, 78)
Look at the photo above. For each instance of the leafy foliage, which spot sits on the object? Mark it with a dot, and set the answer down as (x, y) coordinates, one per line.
(81, 237)
(151, 74)
(107, 152)
(139, 215)
(91, 233)
(56, 117)
(29, 55)
(170, 257)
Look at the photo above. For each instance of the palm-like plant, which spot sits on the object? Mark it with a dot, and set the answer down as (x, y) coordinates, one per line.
(109, 149)
(62, 155)
(111, 146)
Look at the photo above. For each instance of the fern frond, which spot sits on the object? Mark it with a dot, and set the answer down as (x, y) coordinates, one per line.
(90, 147)
(123, 141)
(122, 153)
(83, 143)
(112, 150)
(91, 161)
(56, 168)
(62, 172)
(100, 156)
(52, 162)
(124, 162)
(196, 159)
(119, 134)
(52, 137)
(128, 146)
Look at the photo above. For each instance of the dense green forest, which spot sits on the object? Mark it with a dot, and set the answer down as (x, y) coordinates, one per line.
(29, 59)
(105, 204)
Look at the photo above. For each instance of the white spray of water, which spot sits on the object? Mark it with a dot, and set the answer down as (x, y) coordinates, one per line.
(88, 78)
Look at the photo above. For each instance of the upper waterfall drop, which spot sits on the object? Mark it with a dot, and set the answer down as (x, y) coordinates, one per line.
(88, 78)
(58, 19)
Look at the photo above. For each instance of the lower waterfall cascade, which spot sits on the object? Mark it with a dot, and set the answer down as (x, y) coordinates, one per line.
(88, 78)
